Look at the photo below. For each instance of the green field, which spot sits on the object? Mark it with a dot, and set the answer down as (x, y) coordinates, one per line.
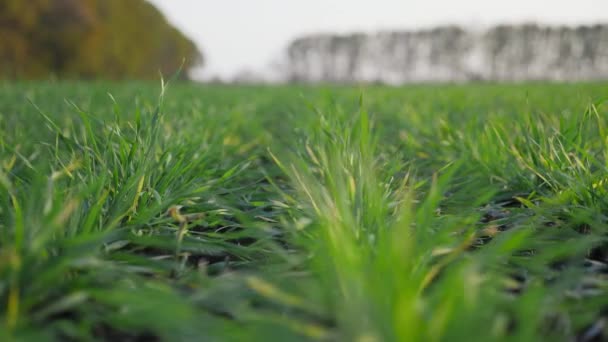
(193, 213)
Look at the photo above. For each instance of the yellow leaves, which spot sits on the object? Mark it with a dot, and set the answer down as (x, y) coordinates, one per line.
(273, 293)
(174, 213)
(231, 140)
(422, 155)
(183, 220)
(600, 184)
(66, 170)
(449, 255)
(140, 186)
(12, 307)
(8, 165)
(352, 186)
(269, 291)
(90, 38)
(490, 231)
(312, 155)
(367, 337)
(11, 259)
(65, 213)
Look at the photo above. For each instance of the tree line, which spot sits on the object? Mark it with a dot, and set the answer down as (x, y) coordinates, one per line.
(111, 39)
(502, 53)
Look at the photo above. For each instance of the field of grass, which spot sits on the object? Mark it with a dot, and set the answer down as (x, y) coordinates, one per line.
(137, 212)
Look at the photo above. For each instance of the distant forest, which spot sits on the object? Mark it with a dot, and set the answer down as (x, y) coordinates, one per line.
(113, 39)
(503, 53)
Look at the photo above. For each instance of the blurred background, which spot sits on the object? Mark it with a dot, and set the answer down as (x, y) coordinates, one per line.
(337, 41)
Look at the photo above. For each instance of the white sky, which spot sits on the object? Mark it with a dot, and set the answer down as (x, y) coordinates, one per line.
(250, 34)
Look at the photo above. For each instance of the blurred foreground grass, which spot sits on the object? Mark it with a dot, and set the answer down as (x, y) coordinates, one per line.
(423, 213)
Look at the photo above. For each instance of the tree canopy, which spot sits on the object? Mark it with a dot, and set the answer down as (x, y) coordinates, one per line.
(453, 54)
(113, 39)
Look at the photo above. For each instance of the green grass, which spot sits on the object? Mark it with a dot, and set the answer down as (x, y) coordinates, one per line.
(424, 213)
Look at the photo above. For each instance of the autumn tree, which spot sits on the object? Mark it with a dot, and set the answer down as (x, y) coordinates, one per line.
(113, 39)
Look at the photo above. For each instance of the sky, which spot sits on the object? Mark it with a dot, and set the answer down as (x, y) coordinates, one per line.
(239, 35)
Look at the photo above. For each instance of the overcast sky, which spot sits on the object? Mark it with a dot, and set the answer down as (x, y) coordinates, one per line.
(250, 34)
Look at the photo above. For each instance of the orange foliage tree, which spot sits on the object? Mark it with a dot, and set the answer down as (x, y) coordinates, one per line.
(113, 39)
